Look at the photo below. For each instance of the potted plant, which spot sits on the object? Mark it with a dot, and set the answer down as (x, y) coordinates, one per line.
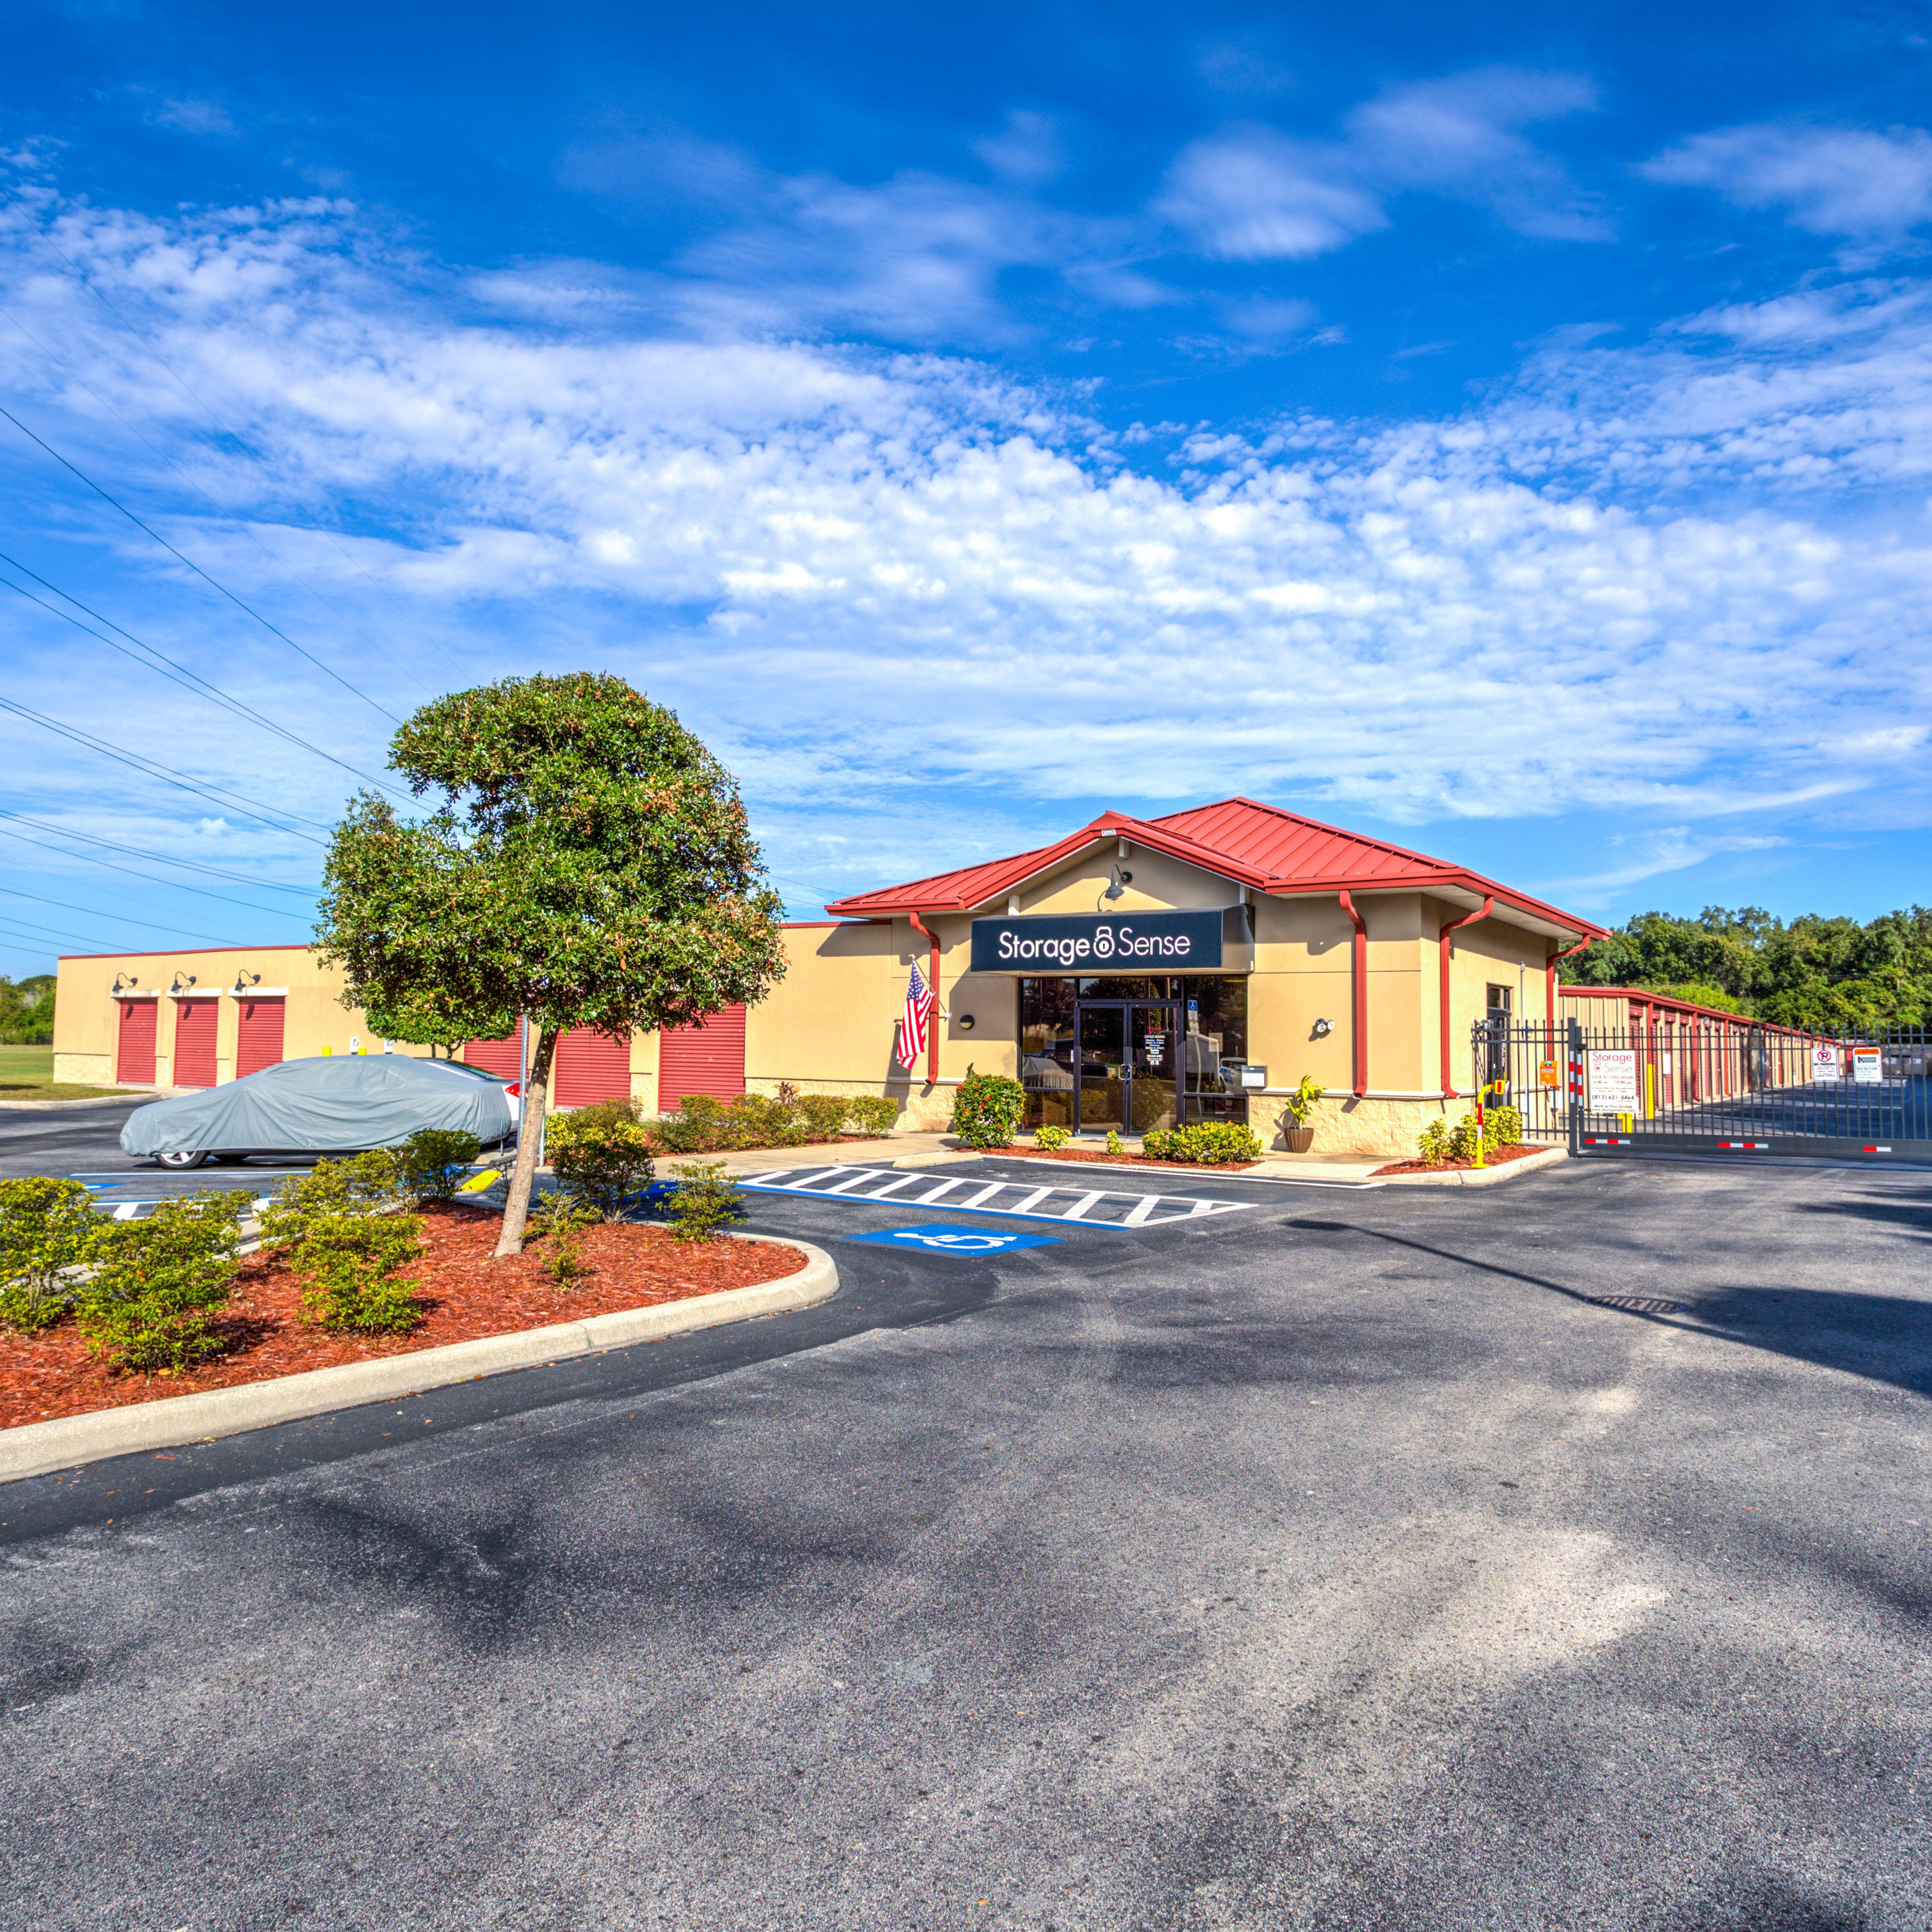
(1296, 1136)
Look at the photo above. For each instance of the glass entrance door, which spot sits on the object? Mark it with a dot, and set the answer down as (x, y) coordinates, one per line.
(1103, 1070)
(1129, 1055)
(1153, 1054)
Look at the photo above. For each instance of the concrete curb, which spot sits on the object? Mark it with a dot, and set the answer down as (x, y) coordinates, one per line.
(92, 1100)
(37, 1448)
(1485, 1177)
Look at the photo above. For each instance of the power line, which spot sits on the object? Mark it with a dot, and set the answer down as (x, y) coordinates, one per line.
(195, 567)
(39, 935)
(159, 858)
(240, 443)
(113, 919)
(170, 885)
(147, 765)
(167, 667)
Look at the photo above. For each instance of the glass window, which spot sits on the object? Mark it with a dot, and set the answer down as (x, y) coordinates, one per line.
(1214, 1022)
(1127, 986)
(1049, 1053)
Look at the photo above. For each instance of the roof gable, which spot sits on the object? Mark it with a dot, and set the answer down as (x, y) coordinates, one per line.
(1259, 846)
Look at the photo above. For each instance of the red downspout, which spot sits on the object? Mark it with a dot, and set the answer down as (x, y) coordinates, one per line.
(932, 981)
(1361, 989)
(1550, 980)
(1442, 942)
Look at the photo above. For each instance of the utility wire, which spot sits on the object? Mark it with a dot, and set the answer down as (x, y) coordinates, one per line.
(168, 668)
(214, 583)
(171, 885)
(228, 801)
(40, 934)
(240, 441)
(112, 918)
(159, 858)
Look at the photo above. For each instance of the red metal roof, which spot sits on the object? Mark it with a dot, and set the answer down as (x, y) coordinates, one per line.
(1257, 845)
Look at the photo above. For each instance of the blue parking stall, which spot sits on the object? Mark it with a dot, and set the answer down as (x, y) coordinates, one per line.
(957, 1244)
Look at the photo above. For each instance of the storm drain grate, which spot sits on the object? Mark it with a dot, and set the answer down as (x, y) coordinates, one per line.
(1636, 1304)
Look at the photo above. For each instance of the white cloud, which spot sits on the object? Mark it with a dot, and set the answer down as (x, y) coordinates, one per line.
(1848, 181)
(888, 587)
(1253, 194)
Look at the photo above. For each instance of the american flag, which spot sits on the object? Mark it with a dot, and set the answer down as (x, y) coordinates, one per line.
(913, 1023)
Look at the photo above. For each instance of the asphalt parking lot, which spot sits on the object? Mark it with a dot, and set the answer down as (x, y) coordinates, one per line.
(1554, 1554)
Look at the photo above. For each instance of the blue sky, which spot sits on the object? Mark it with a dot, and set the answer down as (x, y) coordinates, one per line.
(1509, 433)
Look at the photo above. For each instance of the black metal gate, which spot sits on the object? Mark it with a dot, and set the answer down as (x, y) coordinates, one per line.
(1672, 1087)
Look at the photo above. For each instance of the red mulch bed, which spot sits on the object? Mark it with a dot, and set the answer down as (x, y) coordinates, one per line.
(1129, 1159)
(1500, 1158)
(464, 1295)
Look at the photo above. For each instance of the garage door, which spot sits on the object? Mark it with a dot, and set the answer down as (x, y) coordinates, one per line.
(708, 1058)
(258, 1037)
(194, 1043)
(134, 1048)
(503, 1057)
(590, 1067)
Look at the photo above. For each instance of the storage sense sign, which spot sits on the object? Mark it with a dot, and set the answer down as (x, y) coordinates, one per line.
(1098, 942)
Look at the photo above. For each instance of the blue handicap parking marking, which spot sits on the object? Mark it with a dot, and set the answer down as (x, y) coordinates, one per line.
(958, 1242)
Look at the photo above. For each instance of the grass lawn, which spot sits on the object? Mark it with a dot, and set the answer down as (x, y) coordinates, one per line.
(27, 1073)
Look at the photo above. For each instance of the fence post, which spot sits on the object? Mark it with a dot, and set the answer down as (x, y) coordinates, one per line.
(1573, 1075)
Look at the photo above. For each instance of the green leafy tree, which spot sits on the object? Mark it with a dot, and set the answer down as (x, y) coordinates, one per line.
(587, 863)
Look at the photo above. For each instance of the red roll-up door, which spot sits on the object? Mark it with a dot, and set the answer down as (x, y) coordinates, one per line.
(134, 1047)
(503, 1057)
(194, 1043)
(258, 1036)
(590, 1067)
(708, 1058)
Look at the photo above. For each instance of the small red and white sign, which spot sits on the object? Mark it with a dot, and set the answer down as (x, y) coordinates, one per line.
(1613, 1081)
(1824, 1060)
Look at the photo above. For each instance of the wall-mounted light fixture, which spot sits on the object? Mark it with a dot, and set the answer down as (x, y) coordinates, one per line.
(965, 1023)
(123, 981)
(243, 981)
(182, 981)
(1117, 884)
(1323, 1028)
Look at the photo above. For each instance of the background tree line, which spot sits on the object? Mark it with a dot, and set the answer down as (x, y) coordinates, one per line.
(27, 1011)
(1832, 974)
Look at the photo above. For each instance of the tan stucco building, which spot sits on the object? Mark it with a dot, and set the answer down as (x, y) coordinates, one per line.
(1134, 973)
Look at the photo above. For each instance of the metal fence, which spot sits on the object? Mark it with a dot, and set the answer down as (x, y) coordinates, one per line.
(1678, 1083)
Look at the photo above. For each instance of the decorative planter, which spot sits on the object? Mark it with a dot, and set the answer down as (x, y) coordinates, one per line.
(1297, 1140)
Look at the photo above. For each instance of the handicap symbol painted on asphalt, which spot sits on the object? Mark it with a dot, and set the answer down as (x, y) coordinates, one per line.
(961, 1243)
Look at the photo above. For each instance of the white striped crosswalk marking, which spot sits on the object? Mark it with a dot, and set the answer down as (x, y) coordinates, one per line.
(1104, 1208)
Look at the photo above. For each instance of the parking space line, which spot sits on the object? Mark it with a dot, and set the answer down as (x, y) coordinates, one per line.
(1116, 1209)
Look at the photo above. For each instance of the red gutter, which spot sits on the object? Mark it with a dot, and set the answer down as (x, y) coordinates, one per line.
(1361, 989)
(932, 982)
(1444, 945)
(1549, 981)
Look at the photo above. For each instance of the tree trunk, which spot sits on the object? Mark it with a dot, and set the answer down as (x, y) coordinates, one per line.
(530, 1134)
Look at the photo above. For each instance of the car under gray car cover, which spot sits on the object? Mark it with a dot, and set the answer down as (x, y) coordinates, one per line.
(324, 1105)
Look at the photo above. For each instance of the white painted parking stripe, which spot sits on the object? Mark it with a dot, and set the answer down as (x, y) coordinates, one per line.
(1117, 1209)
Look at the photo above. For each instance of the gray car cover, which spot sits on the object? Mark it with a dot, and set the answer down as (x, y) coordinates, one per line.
(326, 1105)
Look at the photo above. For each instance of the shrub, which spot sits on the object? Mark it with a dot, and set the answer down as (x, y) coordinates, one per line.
(1502, 1126)
(47, 1227)
(872, 1113)
(434, 1160)
(1114, 1144)
(602, 1155)
(757, 1119)
(1208, 1143)
(347, 1263)
(158, 1280)
(705, 1201)
(1432, 1144)
(345, 1245)
(825, 1114)
(1051, 1138)
(561, 1218)
(987, 1109)
(1463, 1139)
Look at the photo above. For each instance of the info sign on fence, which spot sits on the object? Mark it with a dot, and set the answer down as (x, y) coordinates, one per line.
(1613, 1081)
